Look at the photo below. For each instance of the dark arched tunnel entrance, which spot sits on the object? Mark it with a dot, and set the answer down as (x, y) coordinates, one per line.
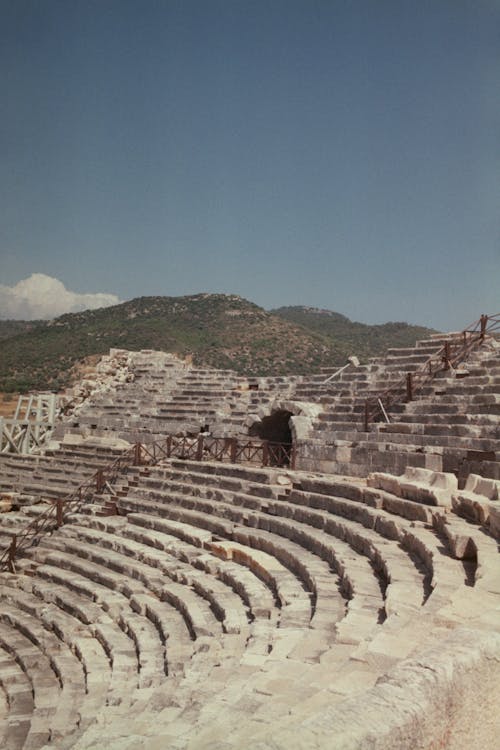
(275, 429)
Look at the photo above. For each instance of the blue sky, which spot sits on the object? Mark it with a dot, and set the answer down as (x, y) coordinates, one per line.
(337, 154)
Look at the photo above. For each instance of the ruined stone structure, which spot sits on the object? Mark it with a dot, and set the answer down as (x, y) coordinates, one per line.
(352, 602)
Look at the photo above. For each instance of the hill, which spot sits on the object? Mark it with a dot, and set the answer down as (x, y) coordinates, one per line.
(350, 337)
(217, 330)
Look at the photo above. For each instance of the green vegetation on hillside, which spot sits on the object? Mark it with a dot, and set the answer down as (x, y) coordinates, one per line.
(350, 337)
(218, 330)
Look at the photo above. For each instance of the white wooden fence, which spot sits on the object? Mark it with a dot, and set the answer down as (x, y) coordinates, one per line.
(31, 426)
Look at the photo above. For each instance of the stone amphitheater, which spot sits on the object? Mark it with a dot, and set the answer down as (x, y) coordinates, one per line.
(200, 560)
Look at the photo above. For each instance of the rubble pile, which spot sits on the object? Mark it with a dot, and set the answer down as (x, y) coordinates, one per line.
(111, 370)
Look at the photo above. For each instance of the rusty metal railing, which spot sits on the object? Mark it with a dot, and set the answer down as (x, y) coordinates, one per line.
(202, 448)
(452, 353)
(54, 515)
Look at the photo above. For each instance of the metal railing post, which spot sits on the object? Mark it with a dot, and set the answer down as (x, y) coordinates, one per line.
(293, 456)
(233, 450)
(59, 512)
(447, 355)
(99, 481)
(137, 454)
(484, 322)
(12, 554)
(265, 453)
(199, 449)
(409, 386)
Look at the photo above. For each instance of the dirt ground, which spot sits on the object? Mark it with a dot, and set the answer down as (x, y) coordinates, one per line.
(8, 403)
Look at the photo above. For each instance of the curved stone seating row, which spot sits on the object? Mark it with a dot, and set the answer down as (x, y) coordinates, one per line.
(441, 575)
(77, 661)
(312, 539)
(264, 638)
(260, 589)
(55, 674)
(284, 639)
(18, 704)
(282, 582)
(187, 545)
(319, 509)
(224, 595)
(252, 655)
(245, 732)
(224, 603)
(127, 642)
(204, 721)
(116, 572)
(106, 648)
(293, 600)
(477, 502)
(139, 558)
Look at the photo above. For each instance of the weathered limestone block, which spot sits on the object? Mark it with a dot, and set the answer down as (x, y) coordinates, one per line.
(461, 544)
(417, 484)
(8, 500)
(300, 427)
(494, 518)
(477, 499)
(490, 488)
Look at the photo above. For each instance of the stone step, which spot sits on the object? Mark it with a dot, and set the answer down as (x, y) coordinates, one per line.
(70, 608)
(19, 693)
(182, 481)
(148, 645)
(200, 621)
(34, 597)
(280, 528)
(203, 519)
(320, 519)
(226, 605)
(56, 676)
(156, 533)
(43, 683)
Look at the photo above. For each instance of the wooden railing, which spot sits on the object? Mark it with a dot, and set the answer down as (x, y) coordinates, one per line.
(451, 354)
(202, 448)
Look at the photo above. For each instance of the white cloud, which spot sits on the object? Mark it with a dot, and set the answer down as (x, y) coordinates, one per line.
(41, 296)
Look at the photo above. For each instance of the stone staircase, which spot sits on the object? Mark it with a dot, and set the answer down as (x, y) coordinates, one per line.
(164, 395)
(452, 423)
